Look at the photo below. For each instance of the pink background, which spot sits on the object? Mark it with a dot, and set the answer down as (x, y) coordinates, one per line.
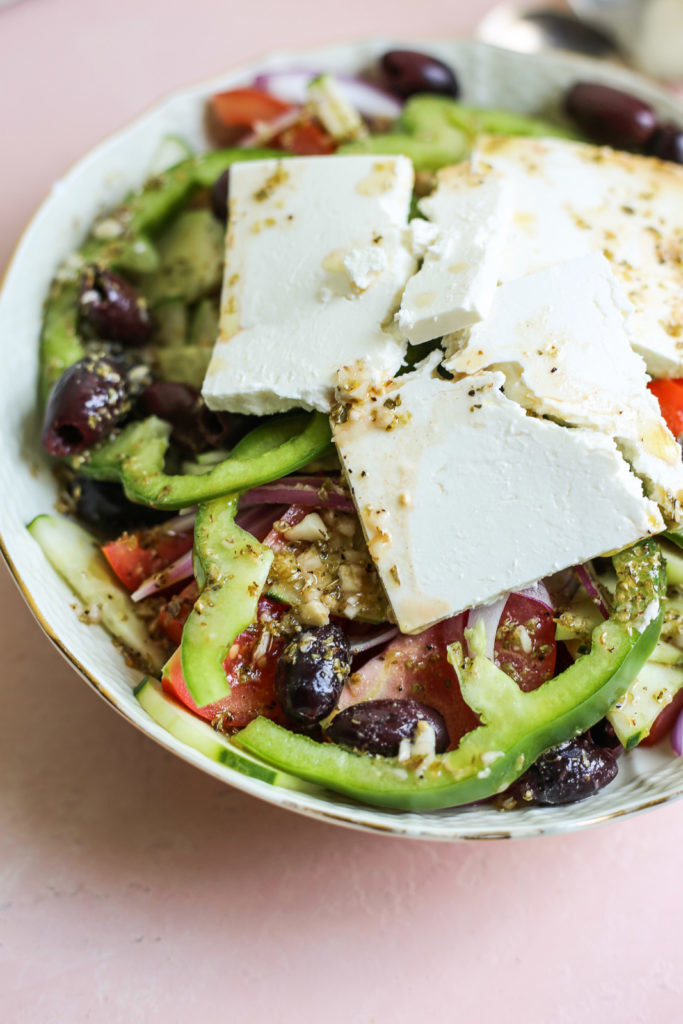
(132, 888)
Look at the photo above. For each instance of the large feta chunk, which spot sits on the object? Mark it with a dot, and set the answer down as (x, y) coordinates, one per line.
(470, 216)
(316, 259)
(560, 337)
(463, 496)
(571, 198)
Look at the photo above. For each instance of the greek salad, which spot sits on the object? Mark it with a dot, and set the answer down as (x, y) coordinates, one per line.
(366, 428)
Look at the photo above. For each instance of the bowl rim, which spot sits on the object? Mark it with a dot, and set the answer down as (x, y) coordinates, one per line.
(352, 815)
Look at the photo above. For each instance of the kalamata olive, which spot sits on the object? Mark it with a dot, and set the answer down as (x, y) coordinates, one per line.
(378, 726)
(179, 404)
(311, 673)
(225, 429)
(609, 116)
(407, 72)
(667, 143)
(88, 400)
(110, 308)
(603, 735)
(220, 191)
(105, 506)
(569, 772)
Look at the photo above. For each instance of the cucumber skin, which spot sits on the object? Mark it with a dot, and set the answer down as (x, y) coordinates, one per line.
(77, 558)
(192, 731)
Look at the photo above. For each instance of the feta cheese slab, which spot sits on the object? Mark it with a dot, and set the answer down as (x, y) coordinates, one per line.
(463, 496)
(470, 216)
(316, 259)
(560, 337)
(571, 198)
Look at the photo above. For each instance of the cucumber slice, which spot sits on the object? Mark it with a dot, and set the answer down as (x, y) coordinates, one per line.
(191, 252)
(651, 691)
(185, 364)
(198, 734)
(172, 320)
(77, 558)
(673, 557)
(204, 324)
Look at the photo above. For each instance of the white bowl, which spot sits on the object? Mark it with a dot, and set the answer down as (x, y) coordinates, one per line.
(99, 181)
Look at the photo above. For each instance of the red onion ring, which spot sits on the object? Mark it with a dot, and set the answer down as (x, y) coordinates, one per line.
(179, 570)
(586, 575)
(490, 615)
(368, 99)
(313, 491)
(383, 635)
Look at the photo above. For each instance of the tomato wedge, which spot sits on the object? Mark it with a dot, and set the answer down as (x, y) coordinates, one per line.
(417, 667)
(234, 113)
(525, 642)
(135, 556)
(250, 667)
(305, 138)
(669, 394)
(664, 722)
(176, 612)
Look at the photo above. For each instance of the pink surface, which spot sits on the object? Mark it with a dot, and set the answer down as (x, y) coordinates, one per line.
(132, 888)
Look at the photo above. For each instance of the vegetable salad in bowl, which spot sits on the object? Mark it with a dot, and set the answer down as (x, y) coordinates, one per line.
(365, 425)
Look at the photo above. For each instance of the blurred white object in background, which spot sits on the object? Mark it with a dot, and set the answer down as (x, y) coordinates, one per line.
(649, 31)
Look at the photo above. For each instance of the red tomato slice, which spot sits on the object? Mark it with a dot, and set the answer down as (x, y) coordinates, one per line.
(417, 668)
(669, 393)
(664, 722)
(174, 615)
(250, 668)
(294, 514)
(305, 138)
(234, 113)
(135, 556)
(525, 642)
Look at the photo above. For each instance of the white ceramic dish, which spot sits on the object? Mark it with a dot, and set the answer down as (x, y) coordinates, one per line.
(488, 76)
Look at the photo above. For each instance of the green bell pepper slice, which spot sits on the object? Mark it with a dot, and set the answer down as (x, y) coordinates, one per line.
(435, 131)
(516, 727)
(136, 458)
(138, 217)
(231, 569)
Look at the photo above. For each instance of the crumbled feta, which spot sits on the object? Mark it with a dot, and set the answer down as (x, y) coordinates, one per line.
(456, 283)
(316, 259)
(570, 199)
(560, 337)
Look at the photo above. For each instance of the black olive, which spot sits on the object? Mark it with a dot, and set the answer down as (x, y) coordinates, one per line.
(407, 72)
(378, 726)
(610, 116)
(569, 772)
(110, 308)
(311, 673)
(87, 402)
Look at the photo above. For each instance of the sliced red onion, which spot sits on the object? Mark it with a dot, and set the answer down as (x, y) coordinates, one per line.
(292, 86)
(490, 615)
(179, 570)
(179, 524)
(538, 592)
(677, 736)
(587, 576)
(368, 641)
(562, 587)
(259, 520)
(313, 491)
